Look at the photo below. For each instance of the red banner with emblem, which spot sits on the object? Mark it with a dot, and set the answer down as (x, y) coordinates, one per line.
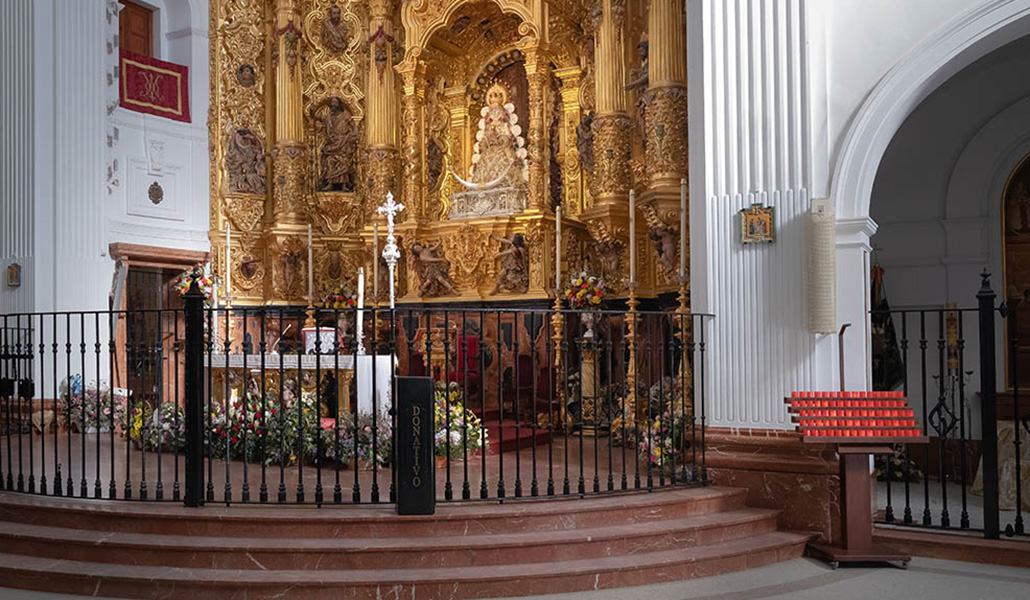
(154, 87)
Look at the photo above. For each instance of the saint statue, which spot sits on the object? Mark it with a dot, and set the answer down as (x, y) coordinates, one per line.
(499, 154)
(334, 31)
(340, 149)
(245, 163)
(513, 275)
(666, 244)
(433, 270)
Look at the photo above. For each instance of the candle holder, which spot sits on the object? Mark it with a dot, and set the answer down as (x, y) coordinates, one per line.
(631, 340)
(683, 335)
(310, 312)
(559, 329)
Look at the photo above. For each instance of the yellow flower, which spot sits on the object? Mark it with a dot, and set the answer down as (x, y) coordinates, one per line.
(595, 300)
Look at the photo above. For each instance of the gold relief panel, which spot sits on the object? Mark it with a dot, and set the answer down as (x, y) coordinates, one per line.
(337, 213)
(291, 177)
(539, 239)
(609, 254)
(611, 135)
(248, 269)
(334, 30)
(245, 212)
(288, 257)
(334, 265)
(466, 249)
(666, 118)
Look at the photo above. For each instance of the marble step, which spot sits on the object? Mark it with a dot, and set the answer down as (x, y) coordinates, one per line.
(368, 521)
(321, 554)
(455, 583)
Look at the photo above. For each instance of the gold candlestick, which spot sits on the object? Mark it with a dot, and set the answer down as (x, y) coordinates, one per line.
(559, 379)
(685, 326)
(631, 339)
(310, 321)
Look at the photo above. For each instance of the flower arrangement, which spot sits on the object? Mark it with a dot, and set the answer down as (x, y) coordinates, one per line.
(465, 429)
(585, 292)
(340, 446)
(893, 467)
(88, 410)
(162, 429)
(341, 296)
(248, 428)
(206, 282)
(662, 442)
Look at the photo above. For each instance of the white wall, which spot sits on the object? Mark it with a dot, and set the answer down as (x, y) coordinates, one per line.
(145, 149)
(776, 91)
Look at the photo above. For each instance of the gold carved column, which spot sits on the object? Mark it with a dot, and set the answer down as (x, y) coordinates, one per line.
(666, 116)
(381, 128)
(288, 154)
(612, 126)
(413, 71)
(573, 176)
(538, 75)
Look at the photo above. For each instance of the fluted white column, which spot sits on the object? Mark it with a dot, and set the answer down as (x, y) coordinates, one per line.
(751, 142)
(16, 151)
(81, 270)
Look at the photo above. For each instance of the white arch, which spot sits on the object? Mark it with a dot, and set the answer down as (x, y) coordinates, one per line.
(982, 29)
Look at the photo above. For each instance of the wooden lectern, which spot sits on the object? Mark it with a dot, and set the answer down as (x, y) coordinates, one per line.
(861, 424)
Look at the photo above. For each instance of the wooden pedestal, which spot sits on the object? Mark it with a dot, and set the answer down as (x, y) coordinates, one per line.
(856, 512)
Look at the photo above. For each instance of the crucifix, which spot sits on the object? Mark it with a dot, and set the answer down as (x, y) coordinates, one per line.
(391, 253)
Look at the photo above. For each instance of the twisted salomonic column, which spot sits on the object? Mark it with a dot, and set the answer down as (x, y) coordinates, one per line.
(666, 116)
(539, 155)
(611, 127)
(381, 127)
(289, 162)
(413, 72)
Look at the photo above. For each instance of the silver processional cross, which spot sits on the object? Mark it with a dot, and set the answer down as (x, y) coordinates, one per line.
(391, 253)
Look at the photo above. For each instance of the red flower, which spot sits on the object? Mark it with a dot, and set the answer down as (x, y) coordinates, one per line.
(234, 439)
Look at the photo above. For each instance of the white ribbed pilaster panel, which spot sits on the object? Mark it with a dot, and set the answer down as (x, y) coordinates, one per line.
(756, 103)
(752, 127)
(81, 270)
(759, 348)
(16, 150)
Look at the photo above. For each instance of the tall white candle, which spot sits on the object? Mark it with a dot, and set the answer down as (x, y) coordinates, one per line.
(375, 261)
(311, 268)
(632, 236)
(361, 288)
(228, 262)
(557, 249)
(683, 227)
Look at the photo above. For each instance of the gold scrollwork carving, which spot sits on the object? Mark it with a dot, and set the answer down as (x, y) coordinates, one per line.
(667, 133)
(467, 249)
(337, 214)
(245, 212)
(611, 154)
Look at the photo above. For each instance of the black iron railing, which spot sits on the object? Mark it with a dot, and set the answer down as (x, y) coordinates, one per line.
(281, 405)
(945, 360)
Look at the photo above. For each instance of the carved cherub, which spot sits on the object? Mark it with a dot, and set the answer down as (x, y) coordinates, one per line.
(513, 275)
(433, 270)
(665, 241)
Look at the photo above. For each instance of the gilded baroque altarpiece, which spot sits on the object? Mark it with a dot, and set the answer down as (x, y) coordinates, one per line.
(482, 116)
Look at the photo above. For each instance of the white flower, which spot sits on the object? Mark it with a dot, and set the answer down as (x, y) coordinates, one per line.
(521, 153)
(516, 130)
(482, 113)
(479, 135)
(510, 108)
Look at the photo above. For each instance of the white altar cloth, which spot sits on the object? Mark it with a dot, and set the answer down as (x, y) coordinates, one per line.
(325, 362)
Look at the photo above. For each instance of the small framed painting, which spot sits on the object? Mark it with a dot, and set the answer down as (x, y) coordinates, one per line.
(14, 275)
(758, 224)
